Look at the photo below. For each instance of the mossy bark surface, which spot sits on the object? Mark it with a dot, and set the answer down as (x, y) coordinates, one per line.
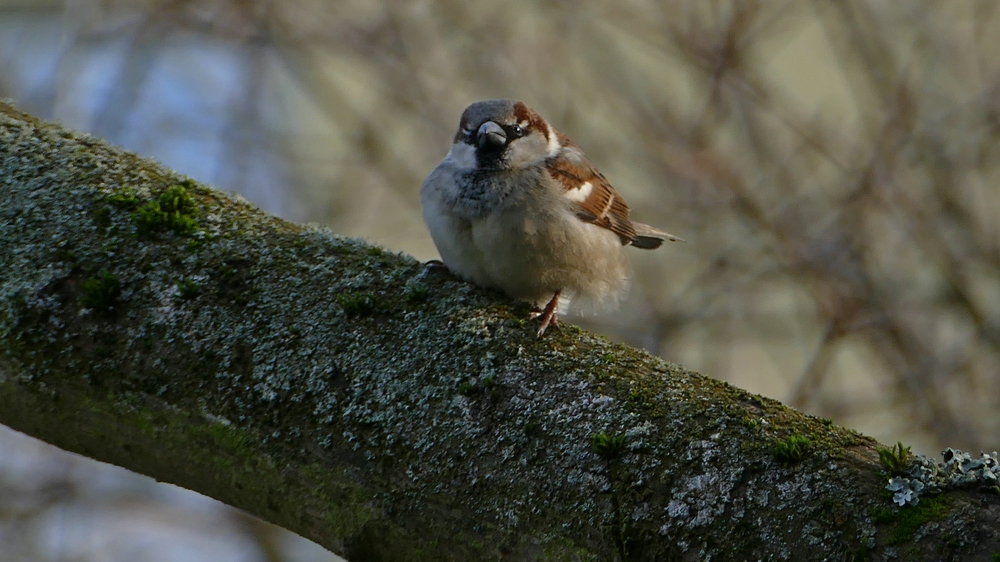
(342, 392)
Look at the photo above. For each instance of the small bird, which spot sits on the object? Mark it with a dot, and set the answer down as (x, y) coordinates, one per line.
(515, 205)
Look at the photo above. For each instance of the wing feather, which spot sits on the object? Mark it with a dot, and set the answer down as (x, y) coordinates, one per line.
(602, 205)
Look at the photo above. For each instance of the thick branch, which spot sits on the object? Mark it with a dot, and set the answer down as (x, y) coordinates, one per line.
(337, 390)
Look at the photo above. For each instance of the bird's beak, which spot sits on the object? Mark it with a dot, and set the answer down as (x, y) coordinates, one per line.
(491, 135)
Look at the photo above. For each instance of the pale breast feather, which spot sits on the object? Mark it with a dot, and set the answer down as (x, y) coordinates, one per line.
(462, 156)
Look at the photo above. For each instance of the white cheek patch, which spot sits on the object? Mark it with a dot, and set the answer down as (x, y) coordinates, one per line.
(580, 193)
(462, 156)
(554, 147)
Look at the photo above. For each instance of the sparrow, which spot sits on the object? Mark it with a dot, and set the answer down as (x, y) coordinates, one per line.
(516, 206)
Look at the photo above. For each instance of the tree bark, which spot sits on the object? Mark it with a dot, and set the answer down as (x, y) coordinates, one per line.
(388, 413)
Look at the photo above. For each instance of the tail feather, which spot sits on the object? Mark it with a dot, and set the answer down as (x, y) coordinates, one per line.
(648, 238)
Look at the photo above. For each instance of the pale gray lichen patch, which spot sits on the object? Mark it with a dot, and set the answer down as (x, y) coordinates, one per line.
(956, 470)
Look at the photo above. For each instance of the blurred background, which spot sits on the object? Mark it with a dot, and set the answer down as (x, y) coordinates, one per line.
(833, 165)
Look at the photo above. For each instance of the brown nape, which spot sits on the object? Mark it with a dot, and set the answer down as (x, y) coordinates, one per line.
(525, 113)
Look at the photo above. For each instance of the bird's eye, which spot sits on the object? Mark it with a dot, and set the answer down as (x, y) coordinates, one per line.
(517, 131)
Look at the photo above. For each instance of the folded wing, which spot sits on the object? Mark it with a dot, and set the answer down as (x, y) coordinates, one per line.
(599, 203)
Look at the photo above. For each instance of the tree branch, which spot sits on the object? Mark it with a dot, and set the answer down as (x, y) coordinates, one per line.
(338, 390)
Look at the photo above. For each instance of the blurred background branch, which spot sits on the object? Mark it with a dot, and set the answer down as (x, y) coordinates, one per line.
(832, 165)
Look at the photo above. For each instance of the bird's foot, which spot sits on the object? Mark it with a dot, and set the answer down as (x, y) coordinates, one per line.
(547, 315)
(435, 266)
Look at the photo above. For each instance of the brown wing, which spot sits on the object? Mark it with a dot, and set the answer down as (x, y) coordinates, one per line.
(599, 204)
